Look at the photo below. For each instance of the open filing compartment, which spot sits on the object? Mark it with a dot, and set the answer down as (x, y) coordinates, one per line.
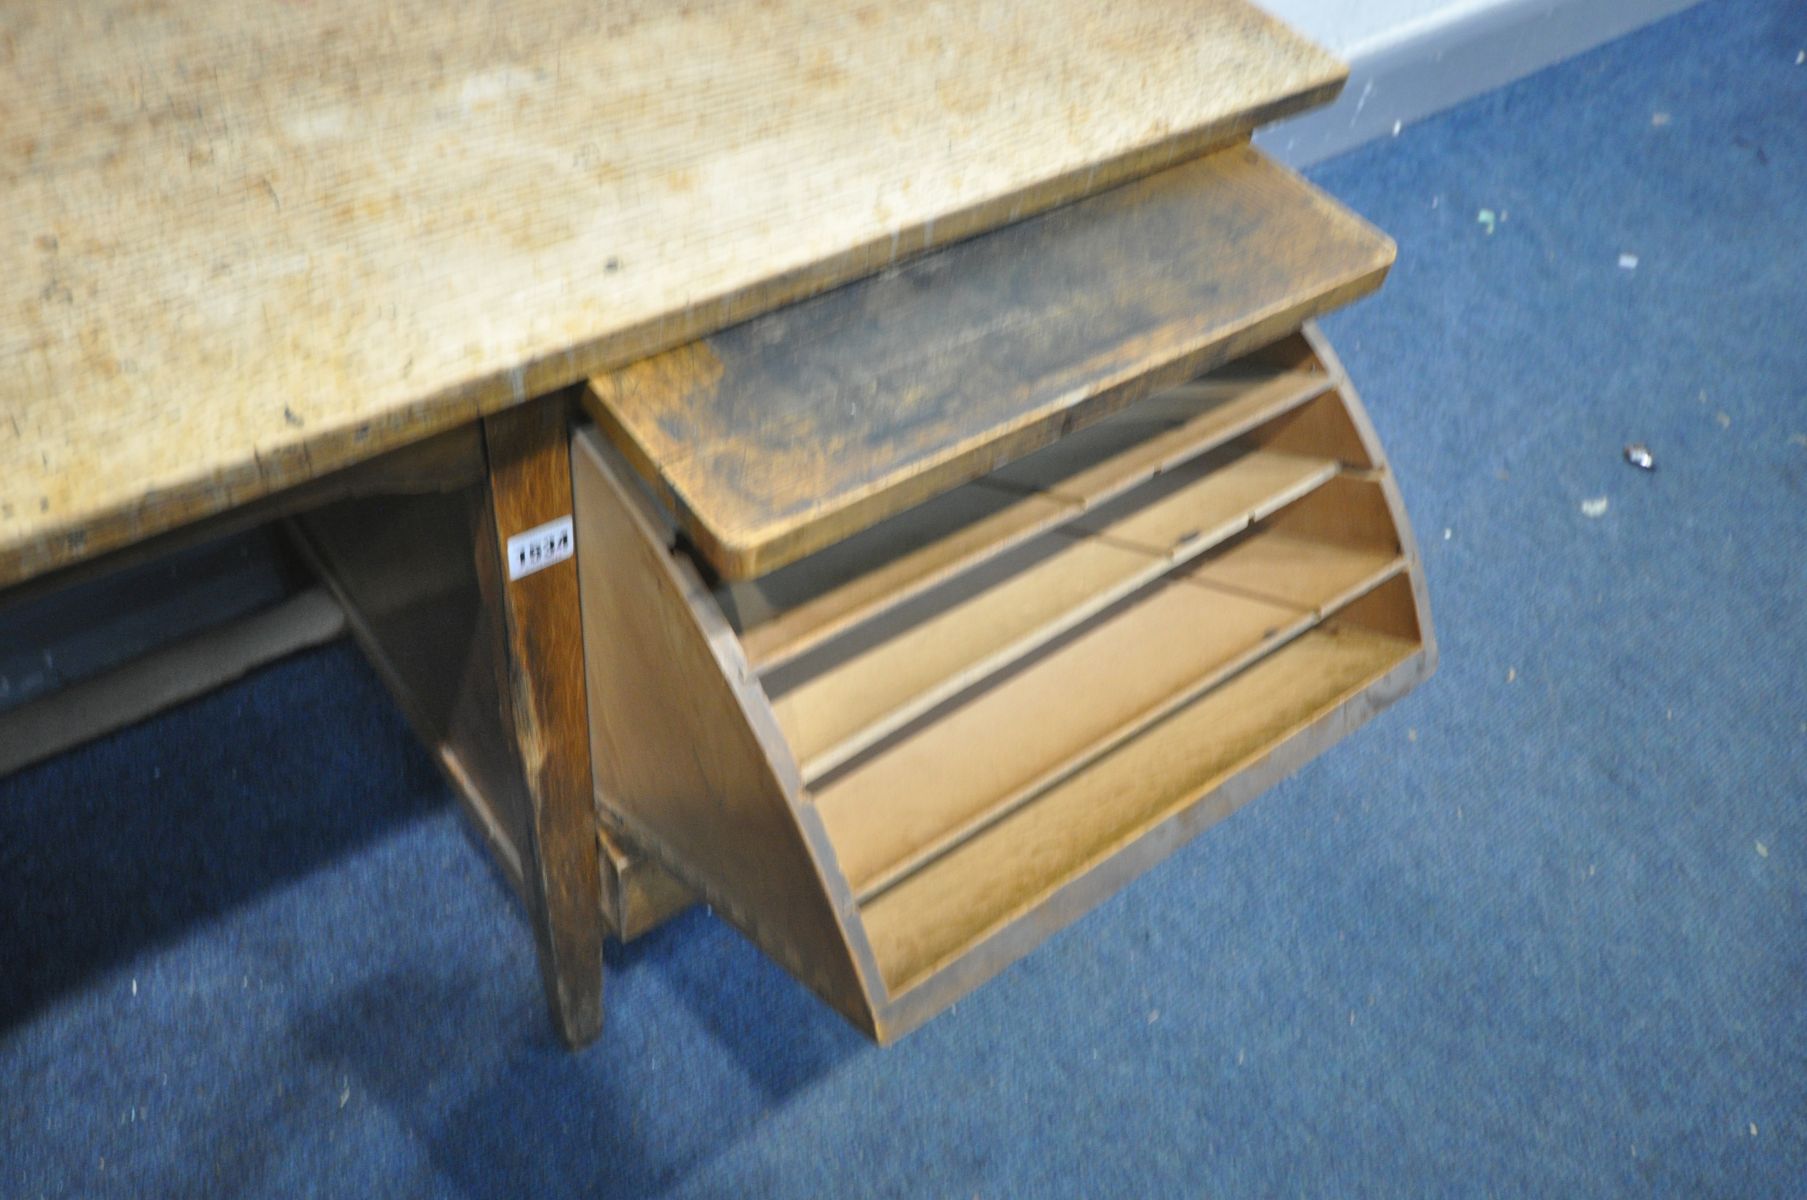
(899, 748)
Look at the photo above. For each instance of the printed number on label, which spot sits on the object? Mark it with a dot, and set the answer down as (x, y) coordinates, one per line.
(539, 547)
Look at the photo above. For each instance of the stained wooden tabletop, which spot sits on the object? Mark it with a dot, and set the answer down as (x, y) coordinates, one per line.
(249, 244)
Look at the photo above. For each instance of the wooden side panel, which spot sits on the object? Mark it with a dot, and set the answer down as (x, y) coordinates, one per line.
(778, 436)
(688, 764)
(1363, 427)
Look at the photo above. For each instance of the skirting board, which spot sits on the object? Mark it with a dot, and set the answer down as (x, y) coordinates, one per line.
(142, 687)
(1466, 48)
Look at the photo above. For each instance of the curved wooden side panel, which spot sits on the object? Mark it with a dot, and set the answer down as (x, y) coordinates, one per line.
(687, 761)
(1389, 484)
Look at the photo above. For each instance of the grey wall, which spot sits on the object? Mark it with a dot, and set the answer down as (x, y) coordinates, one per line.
(1410, 58)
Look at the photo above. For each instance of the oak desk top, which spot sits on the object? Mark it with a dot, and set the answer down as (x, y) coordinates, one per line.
(245, 245)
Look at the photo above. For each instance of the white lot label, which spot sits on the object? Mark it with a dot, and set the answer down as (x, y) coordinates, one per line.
(539, 547)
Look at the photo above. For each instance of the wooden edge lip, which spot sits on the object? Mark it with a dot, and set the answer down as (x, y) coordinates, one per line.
(1336, 74)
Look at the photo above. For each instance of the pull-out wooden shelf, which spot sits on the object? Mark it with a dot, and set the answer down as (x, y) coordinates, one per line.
(783, 435)
(900, 762)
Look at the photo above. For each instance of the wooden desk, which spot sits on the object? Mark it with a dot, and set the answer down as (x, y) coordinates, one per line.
(259, 258)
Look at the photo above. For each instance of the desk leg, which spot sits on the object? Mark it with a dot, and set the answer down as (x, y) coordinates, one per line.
(540, 664)
(490, 673)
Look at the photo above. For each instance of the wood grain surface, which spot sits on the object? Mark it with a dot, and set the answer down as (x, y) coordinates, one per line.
(780, 435)
(247, 244)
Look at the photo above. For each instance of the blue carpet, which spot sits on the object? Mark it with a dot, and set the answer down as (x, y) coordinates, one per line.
(1538, 931)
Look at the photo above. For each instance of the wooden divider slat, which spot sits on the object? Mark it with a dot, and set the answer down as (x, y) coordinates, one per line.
(843, 711)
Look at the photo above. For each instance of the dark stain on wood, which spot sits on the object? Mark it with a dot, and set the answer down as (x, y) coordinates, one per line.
(780, 435)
